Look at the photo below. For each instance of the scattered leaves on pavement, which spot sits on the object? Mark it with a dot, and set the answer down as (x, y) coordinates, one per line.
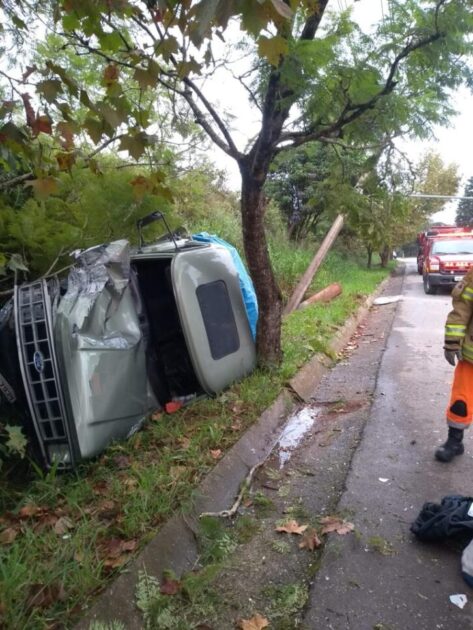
(336, 524)
(292, 527)
(310, 540)
(115, 551)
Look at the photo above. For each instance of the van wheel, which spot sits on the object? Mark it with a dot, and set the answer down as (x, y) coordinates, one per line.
(428, 288)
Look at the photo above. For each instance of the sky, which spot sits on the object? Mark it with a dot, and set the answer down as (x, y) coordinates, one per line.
(453, 143)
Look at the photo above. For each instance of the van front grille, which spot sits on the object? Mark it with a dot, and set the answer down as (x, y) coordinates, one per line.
(40, 372)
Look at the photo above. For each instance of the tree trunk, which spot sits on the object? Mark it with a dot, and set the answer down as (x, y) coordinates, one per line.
(384, 254)
(370, 256)
(268, 335)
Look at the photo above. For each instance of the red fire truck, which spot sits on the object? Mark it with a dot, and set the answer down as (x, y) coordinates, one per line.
(445, 255)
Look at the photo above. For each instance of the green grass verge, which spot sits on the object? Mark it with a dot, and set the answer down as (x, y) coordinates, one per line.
(64, 537)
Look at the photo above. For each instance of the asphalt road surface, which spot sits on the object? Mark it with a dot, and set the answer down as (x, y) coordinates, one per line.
(382, 578)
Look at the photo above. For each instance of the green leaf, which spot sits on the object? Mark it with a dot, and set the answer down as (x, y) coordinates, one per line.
(147, 77)
(94, 128)
(16, 442)
(111, 42)
(113, 116)
(85, 100)
(70, 22)
(9, 131)
(273, 48)
(167, 47)
(50, 89)
(185, 68)
(204, 13)
(65, 78)
(134, 144)
(18, 22)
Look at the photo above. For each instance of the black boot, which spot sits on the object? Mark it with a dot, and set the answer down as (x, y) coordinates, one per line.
(453, 446)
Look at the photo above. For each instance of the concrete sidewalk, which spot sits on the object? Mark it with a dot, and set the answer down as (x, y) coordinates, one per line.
(383, 578)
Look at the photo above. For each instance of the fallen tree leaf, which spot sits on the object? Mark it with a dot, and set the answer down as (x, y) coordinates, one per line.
(101, 487)
(257, 622)
(310, 540)
(336, 524)
(121, 461)
(62, 525)
(8, 536)
(184, 442)
(29, 510)
(45, 595)
(170, 586)
(292, 527)
(216, 454)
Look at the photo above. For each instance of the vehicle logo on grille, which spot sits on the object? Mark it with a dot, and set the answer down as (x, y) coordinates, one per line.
(38, 360)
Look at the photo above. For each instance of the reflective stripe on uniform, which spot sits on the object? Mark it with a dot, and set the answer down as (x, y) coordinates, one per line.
(455, 330)
(467, 351)
(468, 294)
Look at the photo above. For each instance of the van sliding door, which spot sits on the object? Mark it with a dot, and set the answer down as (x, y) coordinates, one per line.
(213, 316)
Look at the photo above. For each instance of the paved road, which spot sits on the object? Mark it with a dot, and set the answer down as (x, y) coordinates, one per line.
(384, 579)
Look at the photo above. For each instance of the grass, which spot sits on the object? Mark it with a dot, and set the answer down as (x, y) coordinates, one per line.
(74, 532)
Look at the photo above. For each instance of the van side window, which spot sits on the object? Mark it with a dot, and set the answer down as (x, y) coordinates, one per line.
(219, 320)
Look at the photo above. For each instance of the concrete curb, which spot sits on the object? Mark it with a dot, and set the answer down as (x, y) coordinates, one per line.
(175, 545)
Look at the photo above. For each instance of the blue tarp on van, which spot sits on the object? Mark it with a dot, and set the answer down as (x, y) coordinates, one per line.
(246, 284)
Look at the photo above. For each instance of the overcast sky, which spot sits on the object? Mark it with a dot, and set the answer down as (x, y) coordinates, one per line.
(453, 143)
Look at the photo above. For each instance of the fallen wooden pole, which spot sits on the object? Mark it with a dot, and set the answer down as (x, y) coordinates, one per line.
(325, 295)
(306, 279)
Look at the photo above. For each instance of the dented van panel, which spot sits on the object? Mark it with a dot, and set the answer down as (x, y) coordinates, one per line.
(101, 348)
(133, 330)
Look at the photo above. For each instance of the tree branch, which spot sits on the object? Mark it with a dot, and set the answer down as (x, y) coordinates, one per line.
(351, 112)
(232, 149)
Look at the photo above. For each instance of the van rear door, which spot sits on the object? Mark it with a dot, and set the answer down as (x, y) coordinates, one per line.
(213, 316)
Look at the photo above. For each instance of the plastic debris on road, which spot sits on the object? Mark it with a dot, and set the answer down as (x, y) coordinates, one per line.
(459, 600)
(388, 299)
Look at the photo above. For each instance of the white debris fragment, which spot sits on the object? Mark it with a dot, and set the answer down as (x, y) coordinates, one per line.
(459, 600)
(383, 479)
(388, 299)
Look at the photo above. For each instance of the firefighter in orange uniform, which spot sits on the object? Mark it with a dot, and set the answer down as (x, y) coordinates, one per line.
(459, 347)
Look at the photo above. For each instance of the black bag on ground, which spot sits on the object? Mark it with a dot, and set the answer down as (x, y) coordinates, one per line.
(445, 520)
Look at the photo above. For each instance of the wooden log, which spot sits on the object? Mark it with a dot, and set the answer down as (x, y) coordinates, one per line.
(325, 295)
(306, 279)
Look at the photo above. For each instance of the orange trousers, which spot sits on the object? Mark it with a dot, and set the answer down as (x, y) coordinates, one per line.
(460, 407)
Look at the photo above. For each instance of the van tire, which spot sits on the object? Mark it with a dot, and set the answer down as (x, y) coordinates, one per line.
(428, 288)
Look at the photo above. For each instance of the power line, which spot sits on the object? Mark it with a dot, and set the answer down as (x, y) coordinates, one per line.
(422, 196)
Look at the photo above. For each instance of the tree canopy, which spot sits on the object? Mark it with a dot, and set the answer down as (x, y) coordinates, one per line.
(314, 76)
(465, 206)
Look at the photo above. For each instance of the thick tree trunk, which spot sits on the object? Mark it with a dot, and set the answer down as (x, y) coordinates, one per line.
(268, 336)
(384, 254)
